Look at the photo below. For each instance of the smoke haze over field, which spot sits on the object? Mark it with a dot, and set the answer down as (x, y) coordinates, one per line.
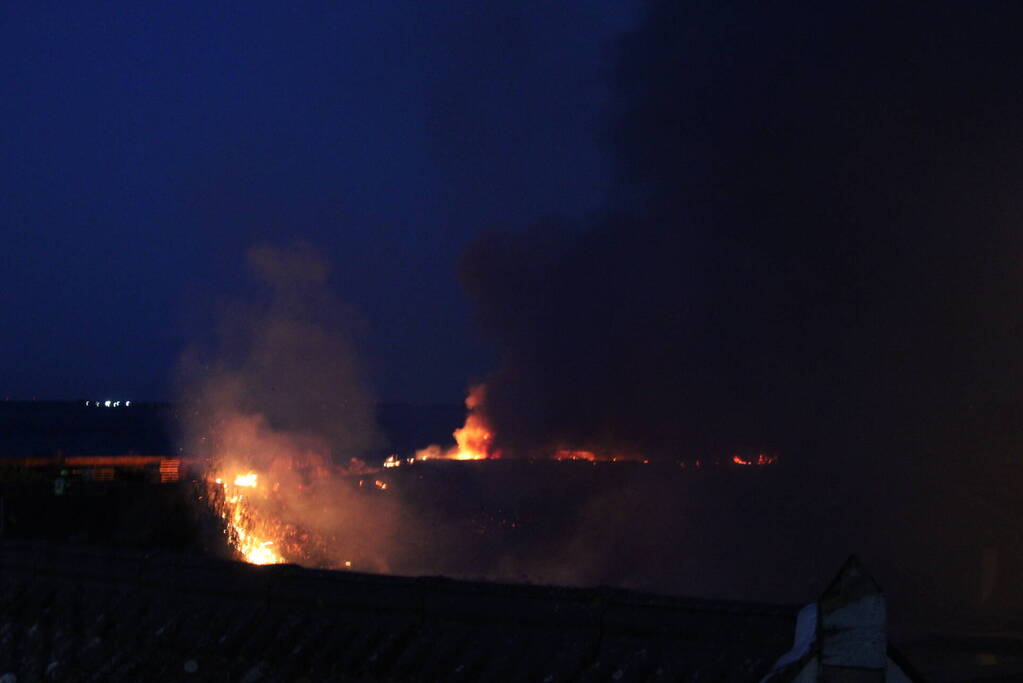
(281, 393)
(814, 243)
(288, 355)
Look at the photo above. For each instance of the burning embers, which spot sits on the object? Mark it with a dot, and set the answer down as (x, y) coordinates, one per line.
(567, 454)
(590, 456)
(759, 460)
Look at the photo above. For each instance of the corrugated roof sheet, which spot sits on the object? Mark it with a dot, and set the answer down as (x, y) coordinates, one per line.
(73, 613)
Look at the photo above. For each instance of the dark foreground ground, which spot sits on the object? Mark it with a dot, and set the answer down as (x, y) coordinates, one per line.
(583, 525)
(942, 539)
(69, 613)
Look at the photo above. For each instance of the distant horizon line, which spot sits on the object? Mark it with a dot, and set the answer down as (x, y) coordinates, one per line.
(150, 402)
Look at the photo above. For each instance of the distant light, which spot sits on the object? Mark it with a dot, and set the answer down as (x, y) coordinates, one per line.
(86, 403)
(117, 403)
(106, 403)
(127, 403)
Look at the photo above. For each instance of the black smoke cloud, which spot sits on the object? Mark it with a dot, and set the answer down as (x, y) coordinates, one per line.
(814, 238)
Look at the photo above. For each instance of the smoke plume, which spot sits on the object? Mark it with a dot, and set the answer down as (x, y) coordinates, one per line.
(280, 394)
(814, 239)
(812, 247)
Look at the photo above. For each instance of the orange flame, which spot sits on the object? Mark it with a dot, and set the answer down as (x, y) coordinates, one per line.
(273, 491)
(474, 439)
(233, 504)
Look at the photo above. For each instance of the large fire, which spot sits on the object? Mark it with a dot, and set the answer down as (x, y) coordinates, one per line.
(247, 531)
(473, 440)
(276, 499)
(280, 497)
(267, 516)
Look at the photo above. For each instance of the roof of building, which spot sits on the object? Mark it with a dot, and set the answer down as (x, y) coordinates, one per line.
(846, 628)
(80, 613)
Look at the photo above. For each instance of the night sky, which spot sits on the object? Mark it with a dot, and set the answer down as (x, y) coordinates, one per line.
(146, 146)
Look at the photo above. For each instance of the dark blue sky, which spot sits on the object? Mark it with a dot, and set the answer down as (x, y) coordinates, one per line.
(145, 146)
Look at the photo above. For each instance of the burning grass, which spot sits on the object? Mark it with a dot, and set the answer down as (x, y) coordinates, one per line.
(248, 532)
(282, 498)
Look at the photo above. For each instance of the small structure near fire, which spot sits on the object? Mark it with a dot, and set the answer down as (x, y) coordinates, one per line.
(160, 469)
(843, 636)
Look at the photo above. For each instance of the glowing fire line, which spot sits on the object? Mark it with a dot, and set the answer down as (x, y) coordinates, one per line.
(251, 509)
(761, 459)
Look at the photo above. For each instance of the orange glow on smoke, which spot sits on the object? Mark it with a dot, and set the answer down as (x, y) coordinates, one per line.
(761, 460)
